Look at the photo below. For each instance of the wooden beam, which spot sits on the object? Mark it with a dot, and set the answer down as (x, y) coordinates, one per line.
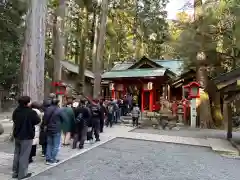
(232, 96)
(227, 115)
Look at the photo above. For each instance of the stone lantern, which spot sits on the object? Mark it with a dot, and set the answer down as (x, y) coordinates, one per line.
(180, 113)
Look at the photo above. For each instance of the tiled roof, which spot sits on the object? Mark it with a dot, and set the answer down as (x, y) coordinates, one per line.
(227, 76)
(74, 68)
(122, 66)
(134, 73)
(173, 65)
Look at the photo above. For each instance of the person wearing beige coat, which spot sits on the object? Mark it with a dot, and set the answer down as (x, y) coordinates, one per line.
(35, 107)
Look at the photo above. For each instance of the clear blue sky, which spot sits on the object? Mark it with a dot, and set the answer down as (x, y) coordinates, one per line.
(175, 6)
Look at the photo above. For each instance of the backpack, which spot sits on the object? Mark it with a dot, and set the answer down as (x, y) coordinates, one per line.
(110, 109)
(79, 117)
(95, 110)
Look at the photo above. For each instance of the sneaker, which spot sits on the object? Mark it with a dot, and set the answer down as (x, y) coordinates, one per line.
(14, 176)
(27, 176)
(43, 155)
(97, 140)
(56, 161)
(49, 163)
(91, 141)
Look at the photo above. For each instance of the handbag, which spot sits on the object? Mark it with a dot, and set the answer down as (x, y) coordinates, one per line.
(45, 127)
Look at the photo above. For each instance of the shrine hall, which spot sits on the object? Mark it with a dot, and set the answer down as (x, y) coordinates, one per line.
(146, 80)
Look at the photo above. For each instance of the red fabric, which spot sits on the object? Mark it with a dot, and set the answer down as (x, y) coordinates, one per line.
(174, 108)
(156, 107)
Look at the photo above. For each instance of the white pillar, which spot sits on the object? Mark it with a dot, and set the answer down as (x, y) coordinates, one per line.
(193, 113)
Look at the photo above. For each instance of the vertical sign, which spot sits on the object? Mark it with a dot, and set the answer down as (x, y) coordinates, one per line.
(193, 113)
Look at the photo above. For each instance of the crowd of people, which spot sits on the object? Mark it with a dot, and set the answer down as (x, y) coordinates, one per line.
(51, 126)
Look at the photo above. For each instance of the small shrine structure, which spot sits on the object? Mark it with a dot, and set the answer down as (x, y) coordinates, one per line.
(146, 80)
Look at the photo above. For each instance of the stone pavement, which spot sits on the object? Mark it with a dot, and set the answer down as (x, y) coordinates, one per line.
(128, 159)
(67, 153)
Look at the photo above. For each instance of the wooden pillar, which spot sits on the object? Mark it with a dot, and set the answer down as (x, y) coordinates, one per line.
(142, 100)
(163, 91)
(169, 92)
(227, 115)
(124, 90)
(151, 101)
(113, 94)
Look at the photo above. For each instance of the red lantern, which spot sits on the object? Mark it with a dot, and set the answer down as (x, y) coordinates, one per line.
(60, 88)
(191, 90)
(194, 89)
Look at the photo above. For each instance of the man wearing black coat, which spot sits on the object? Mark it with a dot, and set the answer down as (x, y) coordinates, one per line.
(82, 117)
(96, 116)
(103, 111)
(24, 119)
(43, 134)
(52, 120)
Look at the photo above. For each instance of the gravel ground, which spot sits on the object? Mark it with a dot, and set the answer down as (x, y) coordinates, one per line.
(7, 147)
(123, 159)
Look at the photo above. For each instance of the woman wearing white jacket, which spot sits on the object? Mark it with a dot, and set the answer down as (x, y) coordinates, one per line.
(36, 107)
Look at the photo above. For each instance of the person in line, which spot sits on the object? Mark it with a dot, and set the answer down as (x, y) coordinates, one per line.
(24, 121)
(43, 131)
(90, 123)
(103, 111)
(82, 117)
(121, 106)
(95, 119)
(48, 101)
(125, 105)
(36, 107)
(135, 115)
(53, 118)
(68, 123)
(110, 117)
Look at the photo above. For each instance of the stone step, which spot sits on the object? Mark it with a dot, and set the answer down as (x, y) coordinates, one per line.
(222, 146)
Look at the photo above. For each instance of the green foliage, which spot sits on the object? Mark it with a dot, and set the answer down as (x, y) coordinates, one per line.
(215, 31)
(11, 36)
(136, 25)
(129, 22)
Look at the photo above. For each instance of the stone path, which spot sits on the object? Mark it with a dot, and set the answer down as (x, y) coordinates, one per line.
(67, 153)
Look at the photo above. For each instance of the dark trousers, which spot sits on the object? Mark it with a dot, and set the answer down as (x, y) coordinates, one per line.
(89, 134)
(135, 121)
(21, 157)
(33, 152)
(109, 120)
(80, 136)
(101, 124)
(96, 128)
(44, 149)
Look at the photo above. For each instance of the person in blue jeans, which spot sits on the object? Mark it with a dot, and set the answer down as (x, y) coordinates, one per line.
(53, 118)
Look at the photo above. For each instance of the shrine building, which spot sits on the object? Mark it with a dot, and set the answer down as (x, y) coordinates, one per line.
(148, 81)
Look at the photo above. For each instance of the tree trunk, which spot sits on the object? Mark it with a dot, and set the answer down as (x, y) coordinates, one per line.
(216, 110)
(206, 120)
(33, 55)
(58, 39)
(82, 62)
(135, 27)
(100, 47)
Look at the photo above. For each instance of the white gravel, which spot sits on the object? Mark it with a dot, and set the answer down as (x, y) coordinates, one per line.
(123, 159)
